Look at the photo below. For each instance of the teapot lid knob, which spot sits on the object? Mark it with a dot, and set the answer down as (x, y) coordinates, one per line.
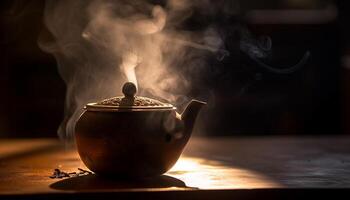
(129, 90)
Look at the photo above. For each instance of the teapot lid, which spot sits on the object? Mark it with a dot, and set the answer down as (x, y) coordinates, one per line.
(127, 102)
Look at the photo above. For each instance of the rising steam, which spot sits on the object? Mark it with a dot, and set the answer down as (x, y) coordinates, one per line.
(100, 44)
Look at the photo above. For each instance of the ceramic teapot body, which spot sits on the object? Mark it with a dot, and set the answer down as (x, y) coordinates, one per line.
(134, 142)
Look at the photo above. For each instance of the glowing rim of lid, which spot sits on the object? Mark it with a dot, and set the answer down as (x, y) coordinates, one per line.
(127, 103)
(98, 106)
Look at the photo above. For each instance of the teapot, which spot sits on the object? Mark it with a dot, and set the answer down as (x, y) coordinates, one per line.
(133, 136)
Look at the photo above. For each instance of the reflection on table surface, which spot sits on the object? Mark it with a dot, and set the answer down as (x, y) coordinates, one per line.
(207, 163)
(208, 174)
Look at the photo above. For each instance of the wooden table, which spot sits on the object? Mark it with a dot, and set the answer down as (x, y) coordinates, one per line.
(210, 168)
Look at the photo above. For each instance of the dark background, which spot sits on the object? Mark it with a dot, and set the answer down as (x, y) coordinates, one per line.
(248, 99)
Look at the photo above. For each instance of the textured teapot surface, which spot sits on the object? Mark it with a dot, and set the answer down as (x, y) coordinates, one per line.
(134, 144)
(129, 102)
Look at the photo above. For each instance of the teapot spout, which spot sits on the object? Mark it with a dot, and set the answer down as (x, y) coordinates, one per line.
(190, 113)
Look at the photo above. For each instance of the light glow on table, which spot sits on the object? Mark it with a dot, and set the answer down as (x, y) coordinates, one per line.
(208, 174)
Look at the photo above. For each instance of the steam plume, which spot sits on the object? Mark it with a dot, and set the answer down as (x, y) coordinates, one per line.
(100, 44)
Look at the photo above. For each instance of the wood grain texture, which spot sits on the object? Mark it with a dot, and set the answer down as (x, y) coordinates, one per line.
(208, 164)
